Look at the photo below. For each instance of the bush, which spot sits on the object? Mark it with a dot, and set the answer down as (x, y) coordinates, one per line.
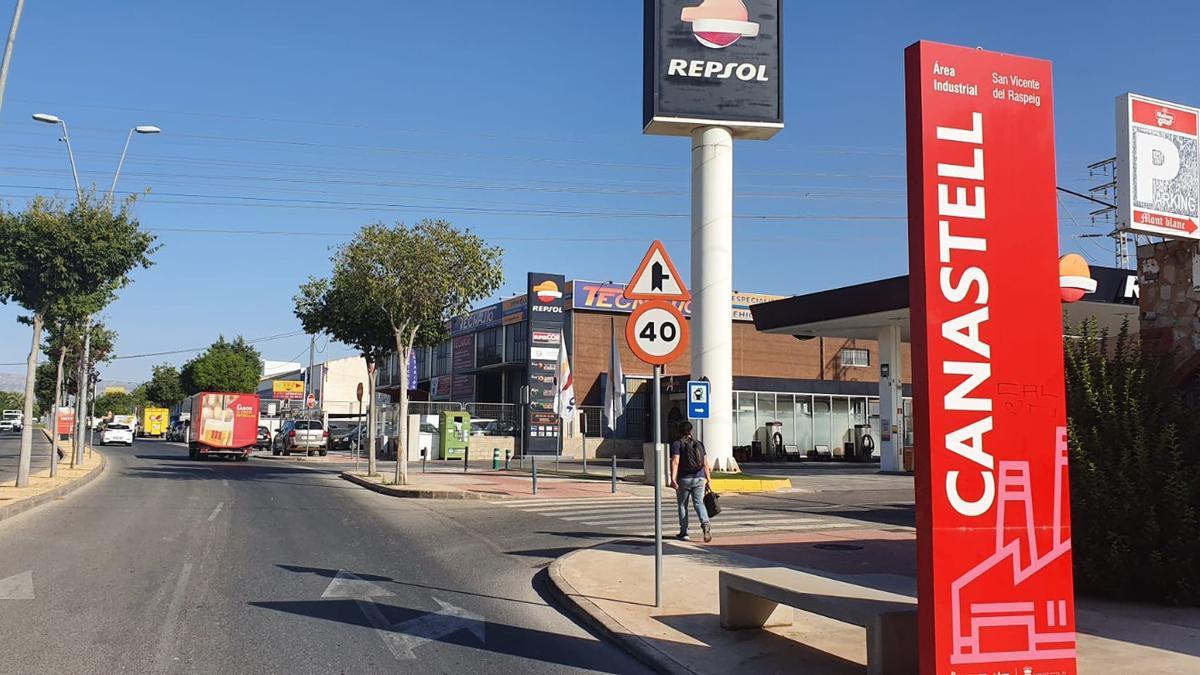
(1135, 472)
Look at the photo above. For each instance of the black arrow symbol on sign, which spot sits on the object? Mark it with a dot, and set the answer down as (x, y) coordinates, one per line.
(657, 277)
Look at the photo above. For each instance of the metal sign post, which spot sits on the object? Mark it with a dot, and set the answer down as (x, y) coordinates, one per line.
(658, 483)
(657, 333)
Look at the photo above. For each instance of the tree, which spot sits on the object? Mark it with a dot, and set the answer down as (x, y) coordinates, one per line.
(233, 367)
(165, 388)
(1135, 472)
(53, 253)
(66, 325)
(408, 281)
(115, 403)
(11, 400)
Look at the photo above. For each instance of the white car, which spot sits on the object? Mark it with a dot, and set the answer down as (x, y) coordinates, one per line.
(11, 420)
(116, 433)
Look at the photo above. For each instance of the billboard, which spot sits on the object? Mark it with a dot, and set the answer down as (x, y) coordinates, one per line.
(993, 514)
(66, 421)
(606, 297)
(288, 390)
(713, 63)
(463, 360)
(545, 309)
(1158, 171)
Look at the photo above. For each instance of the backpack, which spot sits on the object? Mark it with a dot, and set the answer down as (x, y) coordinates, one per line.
(691, 457)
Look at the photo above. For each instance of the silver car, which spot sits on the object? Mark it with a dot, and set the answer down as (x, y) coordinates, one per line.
(308, 436)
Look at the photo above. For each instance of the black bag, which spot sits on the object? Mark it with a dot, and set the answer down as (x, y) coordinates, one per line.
(691, 457)
(712, 502)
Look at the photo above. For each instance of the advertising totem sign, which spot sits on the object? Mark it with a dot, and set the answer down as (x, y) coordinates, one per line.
(993, 519)
(1158, 168)
(545, 339)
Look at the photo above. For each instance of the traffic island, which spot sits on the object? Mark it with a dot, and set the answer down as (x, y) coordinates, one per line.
(723, 483)
(449, 483)
(610, 588)
(42, 488)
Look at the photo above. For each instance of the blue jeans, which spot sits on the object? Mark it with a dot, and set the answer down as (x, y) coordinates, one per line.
(690, 487)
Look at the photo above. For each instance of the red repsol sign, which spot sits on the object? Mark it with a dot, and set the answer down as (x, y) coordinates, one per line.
(993, 520)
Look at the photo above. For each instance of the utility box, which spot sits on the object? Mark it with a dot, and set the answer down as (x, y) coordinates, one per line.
(455, 436)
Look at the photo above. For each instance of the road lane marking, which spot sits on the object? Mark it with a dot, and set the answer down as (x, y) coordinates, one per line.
(167, 632)
(225, 482)
(17, 587)
(213, 516)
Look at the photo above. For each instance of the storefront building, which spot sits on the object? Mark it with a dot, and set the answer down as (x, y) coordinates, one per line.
(814, 391)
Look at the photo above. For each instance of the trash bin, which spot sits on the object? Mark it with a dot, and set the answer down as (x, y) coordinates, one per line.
(455, 438)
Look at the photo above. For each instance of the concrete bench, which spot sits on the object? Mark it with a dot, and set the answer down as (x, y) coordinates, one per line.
(756, 598)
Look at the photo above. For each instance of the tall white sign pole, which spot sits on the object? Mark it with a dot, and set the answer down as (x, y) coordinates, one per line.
(712, 285)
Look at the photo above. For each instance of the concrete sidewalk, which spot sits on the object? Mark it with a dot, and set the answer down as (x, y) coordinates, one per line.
(611, 587)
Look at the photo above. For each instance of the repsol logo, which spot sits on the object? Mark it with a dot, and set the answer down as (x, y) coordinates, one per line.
(716, 70)
(546, 308)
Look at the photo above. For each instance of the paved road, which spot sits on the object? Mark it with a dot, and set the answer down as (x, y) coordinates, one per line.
(10, 454)
(168, 565)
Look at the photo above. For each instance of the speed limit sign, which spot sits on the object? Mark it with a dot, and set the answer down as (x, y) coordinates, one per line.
(657, 333)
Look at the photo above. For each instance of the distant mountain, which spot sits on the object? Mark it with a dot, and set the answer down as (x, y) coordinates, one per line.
(12, 381)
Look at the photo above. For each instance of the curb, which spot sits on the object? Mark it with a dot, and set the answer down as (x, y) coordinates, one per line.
(604, 625)
(409, 492)
(750, 485)
(24, 505)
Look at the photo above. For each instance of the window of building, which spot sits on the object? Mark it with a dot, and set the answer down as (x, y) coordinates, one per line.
(489, 349)
(516, 343)
(854, 358)
(441, 359)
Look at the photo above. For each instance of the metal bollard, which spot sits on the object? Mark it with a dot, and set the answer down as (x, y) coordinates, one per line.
(423, 453)
(507, 454)
(533, 463)
(614, 474)
(495, 459)
(466, 457)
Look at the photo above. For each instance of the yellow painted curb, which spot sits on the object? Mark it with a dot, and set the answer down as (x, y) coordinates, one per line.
(744, 485)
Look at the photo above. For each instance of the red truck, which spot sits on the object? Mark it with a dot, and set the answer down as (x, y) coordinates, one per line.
(223, 425)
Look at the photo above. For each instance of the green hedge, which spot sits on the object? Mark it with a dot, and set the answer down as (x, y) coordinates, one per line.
(1135, 472)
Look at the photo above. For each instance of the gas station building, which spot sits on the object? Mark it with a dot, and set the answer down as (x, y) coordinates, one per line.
(879, 311)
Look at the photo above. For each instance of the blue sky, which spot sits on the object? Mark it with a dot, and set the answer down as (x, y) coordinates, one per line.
(300, 121)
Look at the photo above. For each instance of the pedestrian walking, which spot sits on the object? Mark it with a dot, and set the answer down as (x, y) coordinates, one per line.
(690, 473)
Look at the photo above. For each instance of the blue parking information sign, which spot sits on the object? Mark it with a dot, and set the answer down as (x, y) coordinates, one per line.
(697, 400)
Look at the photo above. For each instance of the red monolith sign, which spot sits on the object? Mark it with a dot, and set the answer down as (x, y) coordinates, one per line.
(993, 519)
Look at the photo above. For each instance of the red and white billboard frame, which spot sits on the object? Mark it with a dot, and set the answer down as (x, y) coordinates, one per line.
(993, 519)
(1158, 167)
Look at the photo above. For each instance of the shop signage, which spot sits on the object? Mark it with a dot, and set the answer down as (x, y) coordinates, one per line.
(603, 297)
(513, 310)
(462, 360)
(713, 63)
(480, 319)
(993, 514)
(288, 390)
(1158, 170)
(546, 322)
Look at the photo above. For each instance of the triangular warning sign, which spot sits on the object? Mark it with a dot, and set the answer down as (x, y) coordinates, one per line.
(656, 278)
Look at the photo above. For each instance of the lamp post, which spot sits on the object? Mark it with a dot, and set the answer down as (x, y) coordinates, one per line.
(55, 119)
(144, 129)
(84, 365)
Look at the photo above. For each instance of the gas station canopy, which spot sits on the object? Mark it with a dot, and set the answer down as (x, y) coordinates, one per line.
(860, 311)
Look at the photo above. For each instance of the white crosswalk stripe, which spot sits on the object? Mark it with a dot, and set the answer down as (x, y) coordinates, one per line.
(635, 516)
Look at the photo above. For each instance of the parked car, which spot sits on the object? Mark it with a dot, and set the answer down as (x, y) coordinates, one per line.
(346, 439)
(113, 434)
(308, 436)
(264, 439)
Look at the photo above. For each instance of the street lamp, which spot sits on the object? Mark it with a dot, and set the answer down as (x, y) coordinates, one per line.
(144, 129)
(55, 119)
